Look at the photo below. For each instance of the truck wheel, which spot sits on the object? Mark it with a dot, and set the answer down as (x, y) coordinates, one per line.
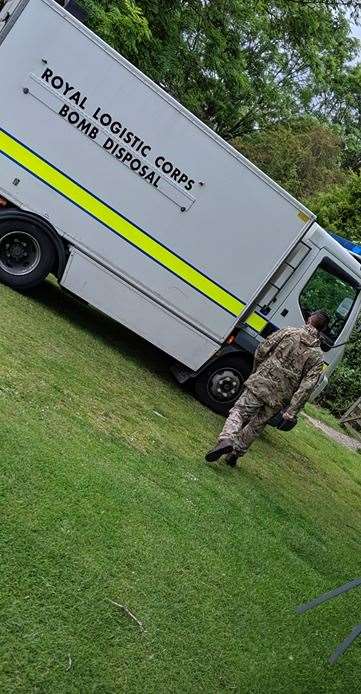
(27, 255)
(221, 383)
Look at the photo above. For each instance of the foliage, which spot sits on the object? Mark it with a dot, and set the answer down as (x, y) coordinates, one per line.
(323, 291)
(119, 23)
(303, 155)
(344, 387)
(236, 64)
(104, 499)
(339, 208)
(340, 104)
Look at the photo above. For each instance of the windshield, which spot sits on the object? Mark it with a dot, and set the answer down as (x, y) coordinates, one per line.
(330, 290)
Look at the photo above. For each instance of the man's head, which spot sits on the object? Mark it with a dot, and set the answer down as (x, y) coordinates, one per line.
(319, 320)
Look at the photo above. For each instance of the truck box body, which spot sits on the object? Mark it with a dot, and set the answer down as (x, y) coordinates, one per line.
(188, 229)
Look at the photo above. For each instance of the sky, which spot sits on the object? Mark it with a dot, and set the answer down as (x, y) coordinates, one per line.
(356, 31)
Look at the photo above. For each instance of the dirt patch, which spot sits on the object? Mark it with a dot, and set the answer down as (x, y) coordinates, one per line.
(343, 439)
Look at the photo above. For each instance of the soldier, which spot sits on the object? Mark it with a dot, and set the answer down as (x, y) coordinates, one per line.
(287, 367)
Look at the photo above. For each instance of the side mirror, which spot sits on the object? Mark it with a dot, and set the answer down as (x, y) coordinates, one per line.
(344, 307)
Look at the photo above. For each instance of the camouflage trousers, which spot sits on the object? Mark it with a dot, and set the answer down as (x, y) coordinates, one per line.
(246, 420)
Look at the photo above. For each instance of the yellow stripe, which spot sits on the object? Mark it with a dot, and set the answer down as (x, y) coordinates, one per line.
(256, 322)
(104, 214)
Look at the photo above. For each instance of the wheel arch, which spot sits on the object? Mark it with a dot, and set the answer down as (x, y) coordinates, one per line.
(47, 227)
(228, 350)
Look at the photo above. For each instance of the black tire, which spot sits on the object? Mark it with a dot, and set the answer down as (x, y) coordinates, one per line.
(27, 254)
(215, 376)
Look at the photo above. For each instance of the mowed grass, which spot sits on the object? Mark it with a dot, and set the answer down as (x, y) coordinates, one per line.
(326, 417)
(105, 497)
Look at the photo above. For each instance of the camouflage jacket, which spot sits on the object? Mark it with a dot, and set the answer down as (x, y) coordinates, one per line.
(287, 367)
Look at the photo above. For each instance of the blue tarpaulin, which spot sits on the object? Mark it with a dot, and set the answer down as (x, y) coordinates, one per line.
(350, 245)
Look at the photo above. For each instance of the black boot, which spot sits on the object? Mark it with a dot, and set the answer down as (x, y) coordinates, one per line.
(231, 459)
(222, 448)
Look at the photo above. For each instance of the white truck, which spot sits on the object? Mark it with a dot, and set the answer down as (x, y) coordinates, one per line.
(145, 213)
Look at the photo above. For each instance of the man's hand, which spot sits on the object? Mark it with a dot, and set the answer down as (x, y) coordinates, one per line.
(289, 417)
(3, 202)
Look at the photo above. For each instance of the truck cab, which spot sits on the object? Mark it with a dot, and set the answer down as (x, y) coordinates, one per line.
(320, 273)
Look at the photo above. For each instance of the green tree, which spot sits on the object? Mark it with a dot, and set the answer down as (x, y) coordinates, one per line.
(340, 104)
(236, 64)
(339, 208)
(325, 292)
(303, 155)
(120, 23)
(344, 386)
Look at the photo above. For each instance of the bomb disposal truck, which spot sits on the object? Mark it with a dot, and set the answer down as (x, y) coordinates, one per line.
(144, 213)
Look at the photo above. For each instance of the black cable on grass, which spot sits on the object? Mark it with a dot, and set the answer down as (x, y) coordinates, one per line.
(325, 597)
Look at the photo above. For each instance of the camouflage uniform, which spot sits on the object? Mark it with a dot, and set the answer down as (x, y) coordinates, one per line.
(287, 367)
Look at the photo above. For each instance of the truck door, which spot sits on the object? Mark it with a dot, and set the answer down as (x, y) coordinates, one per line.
(326, 285)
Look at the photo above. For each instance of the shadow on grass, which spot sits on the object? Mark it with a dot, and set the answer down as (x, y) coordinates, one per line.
(50, 296)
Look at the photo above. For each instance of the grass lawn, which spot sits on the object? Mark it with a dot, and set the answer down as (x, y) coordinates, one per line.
(326, 417)
(105, 496)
